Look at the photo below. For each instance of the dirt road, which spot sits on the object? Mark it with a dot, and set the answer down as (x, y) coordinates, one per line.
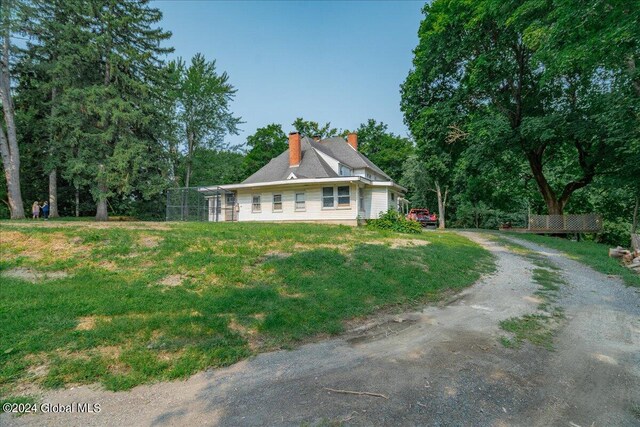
(440, 366)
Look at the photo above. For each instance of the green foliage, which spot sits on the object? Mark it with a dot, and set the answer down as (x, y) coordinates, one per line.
(311, 128)
(615, 233)
(265, 144)
(386, 150)
(229, 295)
(203, 99)
(533, 118)
(214, 167)
(394, 221)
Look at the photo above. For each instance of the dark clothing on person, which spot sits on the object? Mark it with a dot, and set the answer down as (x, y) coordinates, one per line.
(45, 211)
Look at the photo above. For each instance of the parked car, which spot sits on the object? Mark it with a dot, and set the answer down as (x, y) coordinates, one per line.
(424, 217)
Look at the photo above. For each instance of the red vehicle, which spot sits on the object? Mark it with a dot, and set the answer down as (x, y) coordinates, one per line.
(424, 217)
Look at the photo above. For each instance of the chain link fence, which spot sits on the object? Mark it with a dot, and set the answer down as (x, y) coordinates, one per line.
(201, 204)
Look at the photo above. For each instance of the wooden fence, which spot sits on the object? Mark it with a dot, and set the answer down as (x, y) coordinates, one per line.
(584, 223)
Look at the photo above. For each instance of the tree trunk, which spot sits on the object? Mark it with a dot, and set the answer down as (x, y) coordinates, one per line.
(549, 196)
(101, 210)
(9, 141)
(634, 225)
(187, 178)
(53, 193)
(101, 205)
(442, 202)
(53, 174)
(190, 143)
(77, 203)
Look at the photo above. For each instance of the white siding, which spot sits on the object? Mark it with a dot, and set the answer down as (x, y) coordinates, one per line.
(393, 203)
(313, 201)
(378, 201)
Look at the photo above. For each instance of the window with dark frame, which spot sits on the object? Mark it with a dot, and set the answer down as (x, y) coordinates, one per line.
(277, 202)
(344, 196)
(300, 202)
(327, 197)
(256, 206)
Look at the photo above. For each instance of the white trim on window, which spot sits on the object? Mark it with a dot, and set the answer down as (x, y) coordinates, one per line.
(336, 197)
(328, 201)
(344, 198)
(256, 205)
(277, 203)
(300, 202)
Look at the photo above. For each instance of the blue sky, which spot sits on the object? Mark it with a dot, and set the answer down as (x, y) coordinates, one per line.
(338, 62)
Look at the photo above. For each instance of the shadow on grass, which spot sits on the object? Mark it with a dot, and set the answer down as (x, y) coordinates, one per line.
(139, 331)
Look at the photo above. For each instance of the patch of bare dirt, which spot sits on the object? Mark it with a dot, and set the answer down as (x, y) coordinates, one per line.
(87, 323)
(131, 225)
(149, 241)
(109, 351)
(284, 293)
(108, 265)
(400, 243)
(172, 280)
(33, 276)
(250, 334)
(271, 256)
(56, 245)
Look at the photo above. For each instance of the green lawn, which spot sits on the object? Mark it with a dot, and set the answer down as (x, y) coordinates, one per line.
(595, 255)
(128, 303)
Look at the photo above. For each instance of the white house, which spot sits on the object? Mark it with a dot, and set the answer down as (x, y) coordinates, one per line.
(315, 180)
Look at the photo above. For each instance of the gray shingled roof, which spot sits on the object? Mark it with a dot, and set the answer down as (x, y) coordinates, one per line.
(311, 164)
(340, 150)
(278, 169)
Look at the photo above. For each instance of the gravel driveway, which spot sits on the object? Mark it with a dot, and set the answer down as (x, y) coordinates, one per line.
(440, 366)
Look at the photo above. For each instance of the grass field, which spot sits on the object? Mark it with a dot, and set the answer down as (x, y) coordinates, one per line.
(128, 303)
(592, 254)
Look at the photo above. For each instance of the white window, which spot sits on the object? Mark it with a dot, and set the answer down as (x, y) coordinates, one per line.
(345, 171)
(361, 195)
(255, 204)
(344, 197)
(300, 206)
(327, 197)
(277, 202)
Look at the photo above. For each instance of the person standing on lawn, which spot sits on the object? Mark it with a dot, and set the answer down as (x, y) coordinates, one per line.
(35, 210)
(45, 210)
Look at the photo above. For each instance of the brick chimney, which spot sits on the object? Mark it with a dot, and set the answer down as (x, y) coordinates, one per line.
(295, 153)
(352, 139)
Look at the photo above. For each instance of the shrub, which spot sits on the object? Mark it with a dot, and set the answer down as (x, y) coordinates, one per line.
(615, 233)
(394, 221)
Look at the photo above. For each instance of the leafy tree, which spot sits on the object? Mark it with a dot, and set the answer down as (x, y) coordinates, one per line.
(311, 128)
(474, 64)
(9, 150)
(265, 144)
(112, 112)
(203, 103)
(216, 167)
(383, 148)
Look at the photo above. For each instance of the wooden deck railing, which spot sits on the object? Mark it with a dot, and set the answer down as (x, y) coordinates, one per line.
(583, 223)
